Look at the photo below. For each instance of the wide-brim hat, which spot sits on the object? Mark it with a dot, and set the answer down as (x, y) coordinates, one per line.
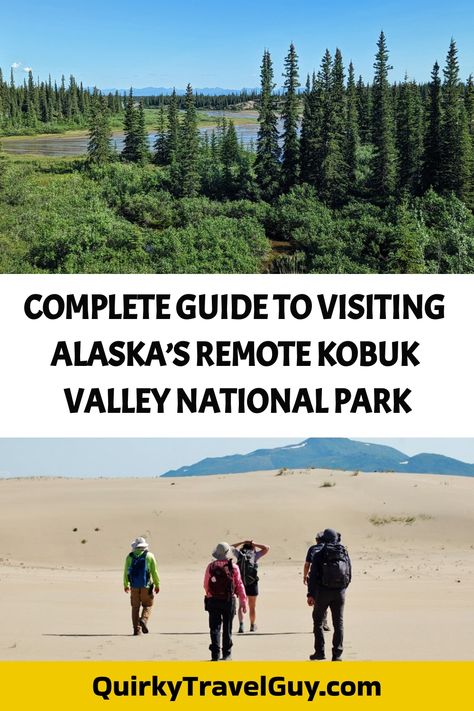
(221, 551)
(139, 543)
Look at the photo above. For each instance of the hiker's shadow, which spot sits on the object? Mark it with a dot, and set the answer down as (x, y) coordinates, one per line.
(184, 634)
(171, 634)
(236, 634)
(81, 634)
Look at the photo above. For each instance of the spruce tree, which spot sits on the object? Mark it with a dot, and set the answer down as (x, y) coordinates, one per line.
(30, 117)
(332, 181)
(364, 111)
(160, 156)
(141, 137)
(13, 100)
(384, 160)
(99, 150)
(336, 178)
(407, 253)
(409, 137)
(172, 135)
(230, 150)
(469, 138)
(310, 132)
(32, 101)
(469, 105)
(129, 128)
(432, 141)
(305, 131)
(352, 131)
(73, 100)
(322, 124)
(229, 155)
(82, 101)
(455, 141)
(267, 163)
(188, 150)
(246, 187)
(117, 103)
(214, 146)
(290, 160)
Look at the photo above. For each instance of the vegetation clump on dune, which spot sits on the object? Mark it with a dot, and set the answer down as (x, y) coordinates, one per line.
(376, 520)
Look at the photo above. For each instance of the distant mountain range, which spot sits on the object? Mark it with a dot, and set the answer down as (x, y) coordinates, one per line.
(166, 91)
(328, 453)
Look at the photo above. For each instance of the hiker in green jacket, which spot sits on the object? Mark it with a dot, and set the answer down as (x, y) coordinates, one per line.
(140, 579)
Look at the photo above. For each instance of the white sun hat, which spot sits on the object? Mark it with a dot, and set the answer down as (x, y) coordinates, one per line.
(139, 543)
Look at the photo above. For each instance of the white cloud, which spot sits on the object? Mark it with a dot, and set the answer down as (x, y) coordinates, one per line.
(16, 66)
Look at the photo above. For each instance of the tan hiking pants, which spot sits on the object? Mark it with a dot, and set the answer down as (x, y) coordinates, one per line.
(141, 598)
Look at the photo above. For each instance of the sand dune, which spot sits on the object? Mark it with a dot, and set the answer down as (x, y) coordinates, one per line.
(411, 539)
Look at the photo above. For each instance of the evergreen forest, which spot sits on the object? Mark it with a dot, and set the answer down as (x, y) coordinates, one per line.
(345, 176)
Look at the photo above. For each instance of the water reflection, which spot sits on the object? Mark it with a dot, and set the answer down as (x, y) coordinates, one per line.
(66, 146)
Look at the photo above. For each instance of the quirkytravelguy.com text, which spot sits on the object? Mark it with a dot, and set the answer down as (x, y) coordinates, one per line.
(277, 686)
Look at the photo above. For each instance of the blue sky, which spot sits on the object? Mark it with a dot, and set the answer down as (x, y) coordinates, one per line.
(210, 43)
(152, 457)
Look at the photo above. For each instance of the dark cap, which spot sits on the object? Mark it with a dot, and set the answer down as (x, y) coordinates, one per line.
(330, 536)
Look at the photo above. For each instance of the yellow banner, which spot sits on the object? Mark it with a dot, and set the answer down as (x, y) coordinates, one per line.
(253, 685)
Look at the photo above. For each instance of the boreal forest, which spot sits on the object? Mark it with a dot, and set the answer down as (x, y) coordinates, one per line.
(345, 174)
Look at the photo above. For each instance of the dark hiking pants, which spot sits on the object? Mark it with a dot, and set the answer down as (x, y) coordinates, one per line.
(334, 599)
(221, 614)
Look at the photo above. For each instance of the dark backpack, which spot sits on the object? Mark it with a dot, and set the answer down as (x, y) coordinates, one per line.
(248, 567)
(221, 581)
(335, 566)
(138, 573)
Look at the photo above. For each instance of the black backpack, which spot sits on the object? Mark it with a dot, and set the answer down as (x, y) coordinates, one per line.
(248, 567)
(221, 581)
(335, 566)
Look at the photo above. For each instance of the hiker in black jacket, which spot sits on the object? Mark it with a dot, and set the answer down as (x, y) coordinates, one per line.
(329, 577)
(247, 554)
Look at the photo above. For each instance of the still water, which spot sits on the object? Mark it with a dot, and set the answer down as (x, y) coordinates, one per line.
(63, 146)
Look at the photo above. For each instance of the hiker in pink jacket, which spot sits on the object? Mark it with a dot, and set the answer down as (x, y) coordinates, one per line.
(222, 583)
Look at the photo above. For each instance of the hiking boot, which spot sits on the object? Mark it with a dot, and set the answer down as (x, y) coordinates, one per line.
(253, 627)
(316, 657)
(241, 628)
(215, 653)
(143, 626)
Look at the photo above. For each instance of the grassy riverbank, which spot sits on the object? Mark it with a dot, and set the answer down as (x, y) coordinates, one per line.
(116, 123)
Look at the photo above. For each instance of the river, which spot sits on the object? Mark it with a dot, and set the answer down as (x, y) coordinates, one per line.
(75, 145)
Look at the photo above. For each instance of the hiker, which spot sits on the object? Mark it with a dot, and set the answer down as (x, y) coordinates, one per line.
(222, 582)
(140, 579)
(309, 556)
(307, 566)
(248, 554)
(329, 576)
